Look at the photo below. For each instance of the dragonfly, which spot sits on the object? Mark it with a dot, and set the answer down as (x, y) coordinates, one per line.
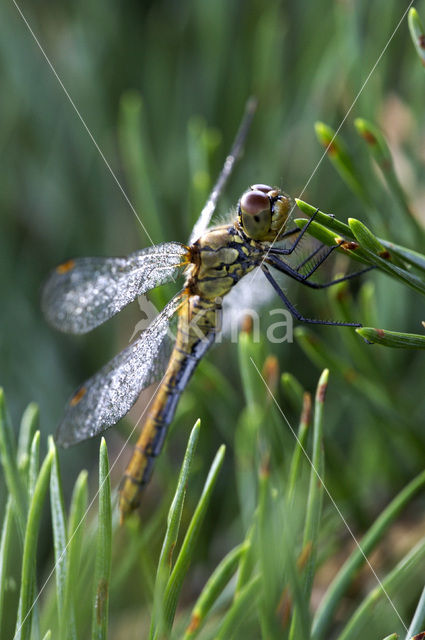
(82, 293)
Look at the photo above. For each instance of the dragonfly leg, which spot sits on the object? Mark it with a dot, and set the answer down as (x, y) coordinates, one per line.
(291, 249)
(296, 313)
(309, 257)
(281, 266)
(291, 232)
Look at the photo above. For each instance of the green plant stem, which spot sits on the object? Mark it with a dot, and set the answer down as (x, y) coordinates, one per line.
(26, 604)
(418, 621)
(183, 559)
(102, 574)
(340, 583)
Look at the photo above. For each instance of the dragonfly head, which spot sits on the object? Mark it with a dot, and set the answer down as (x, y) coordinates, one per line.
(262, 212)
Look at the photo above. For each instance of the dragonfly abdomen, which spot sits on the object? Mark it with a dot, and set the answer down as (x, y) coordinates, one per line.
(195, 334)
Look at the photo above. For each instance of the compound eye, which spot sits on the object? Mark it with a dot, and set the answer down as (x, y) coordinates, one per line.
(265, 188)
(254, 202)
(255, 214)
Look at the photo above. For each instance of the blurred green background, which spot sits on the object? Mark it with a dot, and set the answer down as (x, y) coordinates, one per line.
(162, 87)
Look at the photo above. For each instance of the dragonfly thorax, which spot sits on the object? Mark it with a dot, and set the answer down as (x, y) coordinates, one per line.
(262, 212)
(220, 258)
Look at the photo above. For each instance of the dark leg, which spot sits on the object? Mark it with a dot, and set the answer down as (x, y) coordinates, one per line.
(281, 266)
(321, 261)
(314, 253)
(291, 232)
(288, 251)
(295, 313)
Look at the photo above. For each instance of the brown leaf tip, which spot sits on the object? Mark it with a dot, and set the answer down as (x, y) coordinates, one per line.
(247, 324)
(306, 410)
(369, 137)
(271, 371)
(321, 392)
(284, 608)
(194, 623)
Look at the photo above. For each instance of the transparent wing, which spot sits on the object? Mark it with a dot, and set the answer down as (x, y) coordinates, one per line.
(205, 216)
(106, 397)
(83, 293)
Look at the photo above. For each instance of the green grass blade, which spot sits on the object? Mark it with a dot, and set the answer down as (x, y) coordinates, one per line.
(183, 560)
(376, 142)
(248, 350)
(298, 454)
(293, 389)
(138, 161)
(5, 541)
(393, 584)
(213, 589)
(324, 224)
(246, 446)
(57, 508)
(328, 237)
(407, 255)
(327, 220)
(29, 424)
(313, 510)
(8, 457)
(27, 593)
(343, 579)
(172, 532)
(365, 237)
(417, 33)
(380, 152)
(371, 243)
(242, 611)
(339, 156)
(393, 339)
(75, 534)
(315, 493)
(340, 228)
(267, 556)
(248, 559)
(48, 635)
(102, 573)
(418, 620)
(34, 464)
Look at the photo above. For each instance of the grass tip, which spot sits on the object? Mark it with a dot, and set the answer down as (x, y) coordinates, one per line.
(322, 386)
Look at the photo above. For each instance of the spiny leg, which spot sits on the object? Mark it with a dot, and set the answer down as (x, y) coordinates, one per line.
(298, 315)
(291, 232)
(309, 257)
(281, 266)
(291, 249)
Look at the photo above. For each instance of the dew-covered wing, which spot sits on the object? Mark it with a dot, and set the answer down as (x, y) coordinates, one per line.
(83, 293)
(106, 397)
